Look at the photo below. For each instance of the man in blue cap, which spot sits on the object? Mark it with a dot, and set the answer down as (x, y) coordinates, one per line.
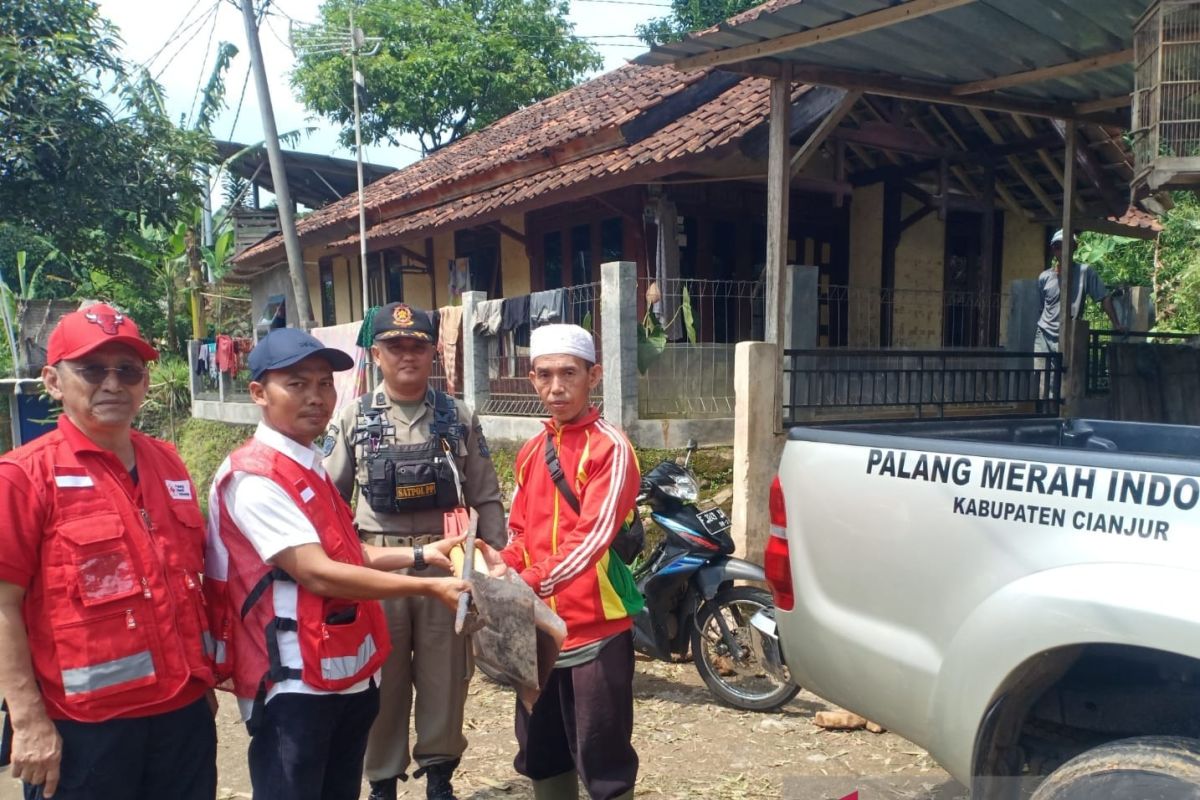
(292, 592)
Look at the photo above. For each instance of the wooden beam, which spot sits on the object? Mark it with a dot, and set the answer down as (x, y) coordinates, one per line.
(1044, 156)
(413, 254)
(831, 121)
(928, 91)
(882, 136)
(1015, 163)
(1095, 173)
(1066, 322)
(1103, 104)
(1045, 73)
(871, 21)
(1001, 191)
(504, 230)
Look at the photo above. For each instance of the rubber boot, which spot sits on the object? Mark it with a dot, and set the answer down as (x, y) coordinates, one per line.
(560, 787)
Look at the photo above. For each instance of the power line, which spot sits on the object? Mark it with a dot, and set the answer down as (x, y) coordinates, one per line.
(207, 49)
(211, 12)
(172, 37)
(238, 112)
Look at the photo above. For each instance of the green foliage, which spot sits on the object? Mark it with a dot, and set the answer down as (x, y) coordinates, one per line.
(1171, 266)
(652, 340)
(690, 15)
(203, 445)
(86, 153)
(169, 400)
(445, 67)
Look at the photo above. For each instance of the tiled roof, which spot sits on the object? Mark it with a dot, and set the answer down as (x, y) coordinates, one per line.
(1136, 218)
(720, 122)
(540, 130)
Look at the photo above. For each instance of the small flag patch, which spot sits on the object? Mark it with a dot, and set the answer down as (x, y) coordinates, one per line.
(72, 478)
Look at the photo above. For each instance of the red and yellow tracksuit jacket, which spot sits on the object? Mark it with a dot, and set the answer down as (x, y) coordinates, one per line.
(565, 556)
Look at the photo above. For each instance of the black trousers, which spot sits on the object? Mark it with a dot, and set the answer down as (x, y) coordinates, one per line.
(583, 722)
(146, 758)
(311, 746)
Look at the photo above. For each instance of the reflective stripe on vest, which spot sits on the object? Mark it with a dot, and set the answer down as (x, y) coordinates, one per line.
(345, 666)
(80, 680)
(213, 649)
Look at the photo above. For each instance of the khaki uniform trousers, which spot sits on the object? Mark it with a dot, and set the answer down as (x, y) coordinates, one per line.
(429, 658)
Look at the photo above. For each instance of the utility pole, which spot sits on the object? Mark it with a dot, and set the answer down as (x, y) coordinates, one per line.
(311, 40)
(356, 39)
(283, 197)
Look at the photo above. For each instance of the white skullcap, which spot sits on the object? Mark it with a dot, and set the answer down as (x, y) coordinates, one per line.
(567, 340)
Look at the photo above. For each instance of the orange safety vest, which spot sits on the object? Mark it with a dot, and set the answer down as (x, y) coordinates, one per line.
(342, 642)
(115, 616)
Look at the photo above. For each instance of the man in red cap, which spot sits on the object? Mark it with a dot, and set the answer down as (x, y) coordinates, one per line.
(105, 654)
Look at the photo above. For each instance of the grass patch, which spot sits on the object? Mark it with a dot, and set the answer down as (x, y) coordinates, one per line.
(203, 445)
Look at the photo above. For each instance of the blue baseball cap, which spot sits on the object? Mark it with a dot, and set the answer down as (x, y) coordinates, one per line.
(285, 346)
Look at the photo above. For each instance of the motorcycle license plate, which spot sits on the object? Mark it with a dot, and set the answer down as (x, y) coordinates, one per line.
(714, 520)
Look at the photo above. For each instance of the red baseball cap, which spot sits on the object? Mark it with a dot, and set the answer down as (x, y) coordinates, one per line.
(81, 332)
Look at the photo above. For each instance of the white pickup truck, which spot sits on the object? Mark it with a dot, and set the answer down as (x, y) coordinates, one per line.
(1021, 598)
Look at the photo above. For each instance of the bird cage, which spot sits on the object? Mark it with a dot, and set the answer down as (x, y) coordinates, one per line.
(1166, 97)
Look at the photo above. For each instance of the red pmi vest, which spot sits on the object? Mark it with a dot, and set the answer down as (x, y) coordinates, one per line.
(115, 617)
(342, 642)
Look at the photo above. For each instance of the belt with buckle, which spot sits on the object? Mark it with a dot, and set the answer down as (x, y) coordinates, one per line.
(408, 541)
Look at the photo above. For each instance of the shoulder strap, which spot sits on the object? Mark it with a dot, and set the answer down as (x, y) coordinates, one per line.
(445, 418)
(556, 474)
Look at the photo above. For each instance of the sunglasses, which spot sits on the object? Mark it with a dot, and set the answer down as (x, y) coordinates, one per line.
(96, 374)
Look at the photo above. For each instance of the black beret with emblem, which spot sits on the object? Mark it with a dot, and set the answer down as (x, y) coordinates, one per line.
(400, 319)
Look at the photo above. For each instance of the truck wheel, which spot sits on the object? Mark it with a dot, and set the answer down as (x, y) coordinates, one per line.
(734, 675)
(1160, 767)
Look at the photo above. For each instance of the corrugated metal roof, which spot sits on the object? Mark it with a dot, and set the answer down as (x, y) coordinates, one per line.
(981, 40)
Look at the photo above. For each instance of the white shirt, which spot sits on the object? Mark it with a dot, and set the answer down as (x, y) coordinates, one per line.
(272, 523)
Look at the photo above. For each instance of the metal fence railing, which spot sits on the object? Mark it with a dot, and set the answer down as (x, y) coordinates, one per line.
(509, 391)
(918, 383)
(703, 320)
(1098, 379)
(912, 318)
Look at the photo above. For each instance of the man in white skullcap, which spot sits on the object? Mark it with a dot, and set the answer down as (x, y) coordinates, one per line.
(577, 484)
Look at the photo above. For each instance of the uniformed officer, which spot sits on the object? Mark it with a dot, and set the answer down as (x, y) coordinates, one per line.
(414, 453)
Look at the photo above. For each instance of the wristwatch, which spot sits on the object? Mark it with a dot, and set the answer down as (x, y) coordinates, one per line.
(419, 562)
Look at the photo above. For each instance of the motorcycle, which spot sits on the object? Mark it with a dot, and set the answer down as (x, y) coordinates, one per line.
(691, 601)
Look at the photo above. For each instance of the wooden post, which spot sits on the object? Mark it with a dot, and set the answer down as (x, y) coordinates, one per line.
(778, 183)
(1066, 322)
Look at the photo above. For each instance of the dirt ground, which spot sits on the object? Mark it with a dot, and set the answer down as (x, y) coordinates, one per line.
(690, 746)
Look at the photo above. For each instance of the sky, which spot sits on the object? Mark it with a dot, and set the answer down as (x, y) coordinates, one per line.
(178, 39)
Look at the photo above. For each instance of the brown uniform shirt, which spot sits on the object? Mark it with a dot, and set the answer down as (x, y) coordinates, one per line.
(346, 465)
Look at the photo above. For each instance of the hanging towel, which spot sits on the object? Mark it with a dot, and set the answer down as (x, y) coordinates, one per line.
(487, 317)
(450, 345)
(344, 338)
(548, 306)
(213, 372)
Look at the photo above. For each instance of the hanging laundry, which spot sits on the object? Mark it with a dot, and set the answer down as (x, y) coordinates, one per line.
(213, 372)
(241, 349)
(226, 360)
(450, 344)
(514, 313)
(548, 306)
(202, 359)
(344, 338)
(487, 317)
(460, 278)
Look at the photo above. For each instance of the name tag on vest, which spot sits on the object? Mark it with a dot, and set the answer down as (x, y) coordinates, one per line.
(72, 478)
(179, 490)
